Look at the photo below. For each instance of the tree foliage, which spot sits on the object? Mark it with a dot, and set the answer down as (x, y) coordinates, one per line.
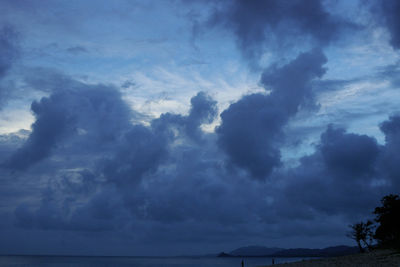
(388, 217)
(362, 233)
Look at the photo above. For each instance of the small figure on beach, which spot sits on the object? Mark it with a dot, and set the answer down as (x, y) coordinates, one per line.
(242, 263)
(273, 261)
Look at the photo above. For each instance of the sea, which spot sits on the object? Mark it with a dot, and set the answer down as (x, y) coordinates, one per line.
(74, 261)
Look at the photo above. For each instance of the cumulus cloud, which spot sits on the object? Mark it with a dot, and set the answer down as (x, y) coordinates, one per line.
(251, 128)
(203, 111)
(389, 166)
(347, 174)
(348, 154)
(95, 115)
(116, 154)
(140, 152)
(97, 168)
(338, 178)
(156, 184)
(144, 148)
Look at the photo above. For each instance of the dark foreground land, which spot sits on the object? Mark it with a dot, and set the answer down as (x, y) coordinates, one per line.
(374, 258)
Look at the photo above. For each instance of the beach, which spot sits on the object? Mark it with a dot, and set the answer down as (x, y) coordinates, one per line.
(374, 258)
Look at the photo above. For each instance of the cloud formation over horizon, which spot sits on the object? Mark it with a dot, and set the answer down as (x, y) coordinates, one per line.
(94, 166)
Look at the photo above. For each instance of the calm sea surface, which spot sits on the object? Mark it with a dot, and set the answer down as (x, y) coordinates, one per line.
(59, 261)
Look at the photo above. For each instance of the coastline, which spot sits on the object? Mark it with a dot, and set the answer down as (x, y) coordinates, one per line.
(373, 258)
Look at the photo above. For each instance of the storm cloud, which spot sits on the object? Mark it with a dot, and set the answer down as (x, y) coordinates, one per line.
(389, 166)
(343, 166)
(286, 152)
(251, 129)
(92, 114)
(93, 124)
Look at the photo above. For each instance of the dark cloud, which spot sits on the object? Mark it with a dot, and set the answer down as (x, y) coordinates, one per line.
(9, 52)
(50, 126)
(76, 50)
(251, 128)
(259, 23)
(248, 134)
(338, 177)
(391, 128)
(99, 172)
(157, 188)
(48, 80)
(95, 115)
(387, 13)
(94, 121)
(203, 111)
(8, 142)
(152, 184)
(192, 188)
(144, 148)
(147, 153)
(128, 84)
(290, 84)
(101, 213)
(389, 166)
(348, 153)
(141, 152)
(8, 47)
(78, 182)
(346, 175)
(329, 189)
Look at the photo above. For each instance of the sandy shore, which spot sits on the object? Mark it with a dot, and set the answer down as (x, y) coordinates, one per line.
(375, 258)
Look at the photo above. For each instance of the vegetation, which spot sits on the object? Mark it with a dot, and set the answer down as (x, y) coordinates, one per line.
(363, 234)
(387, 228)
(388, 217)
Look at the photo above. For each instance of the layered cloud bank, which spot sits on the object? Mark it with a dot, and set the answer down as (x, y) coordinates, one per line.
(96, 175)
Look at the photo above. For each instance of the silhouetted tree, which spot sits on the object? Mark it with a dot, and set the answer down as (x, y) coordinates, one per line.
(388, 216)
(362, 233)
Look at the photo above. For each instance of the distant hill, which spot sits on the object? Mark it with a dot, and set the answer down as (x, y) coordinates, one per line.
(325, 252)
(223, 254)
(260, 251)
(254, 251)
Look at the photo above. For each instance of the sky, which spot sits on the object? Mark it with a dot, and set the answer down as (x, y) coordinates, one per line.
(184, 127)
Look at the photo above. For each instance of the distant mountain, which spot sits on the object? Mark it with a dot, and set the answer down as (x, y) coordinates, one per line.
(307, 252)
(223, 254)
(260, 251)
(254, 251)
